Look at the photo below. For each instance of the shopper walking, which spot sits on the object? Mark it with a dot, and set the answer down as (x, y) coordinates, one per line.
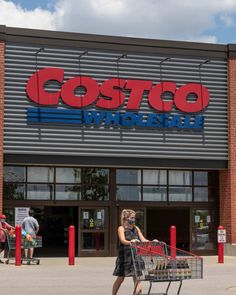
(31, 226)
(128, 233)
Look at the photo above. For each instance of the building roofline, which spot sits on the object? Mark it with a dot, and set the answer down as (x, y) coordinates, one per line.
(55, 38)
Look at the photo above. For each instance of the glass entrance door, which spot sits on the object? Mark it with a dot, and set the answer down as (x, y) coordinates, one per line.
(93, 231)
(203, 231)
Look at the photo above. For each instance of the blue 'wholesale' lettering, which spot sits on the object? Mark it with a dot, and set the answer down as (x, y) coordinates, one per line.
(115, 119)
(93, 117)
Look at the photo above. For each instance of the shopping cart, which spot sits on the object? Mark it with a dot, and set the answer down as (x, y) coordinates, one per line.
(158, 262)
(25, 244)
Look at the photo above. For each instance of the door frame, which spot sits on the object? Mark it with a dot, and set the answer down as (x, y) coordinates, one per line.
(91, 253)
(214, 215)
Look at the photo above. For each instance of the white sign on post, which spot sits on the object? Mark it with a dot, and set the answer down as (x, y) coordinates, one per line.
(221, 236)
(20, 214)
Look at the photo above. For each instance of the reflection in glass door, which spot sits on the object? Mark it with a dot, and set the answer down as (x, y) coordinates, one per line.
(203, 230)
(93, 231)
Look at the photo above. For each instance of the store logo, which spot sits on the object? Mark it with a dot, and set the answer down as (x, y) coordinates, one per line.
(110, 96)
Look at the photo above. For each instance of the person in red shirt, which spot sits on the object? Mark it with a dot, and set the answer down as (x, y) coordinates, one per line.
(4, 227)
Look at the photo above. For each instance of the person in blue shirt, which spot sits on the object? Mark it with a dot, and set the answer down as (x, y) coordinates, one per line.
(31, 227)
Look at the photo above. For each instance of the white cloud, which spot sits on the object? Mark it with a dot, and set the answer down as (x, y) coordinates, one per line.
(204, 39)
(227, 20)
(160, 19)
(15, 16)
(108, 8)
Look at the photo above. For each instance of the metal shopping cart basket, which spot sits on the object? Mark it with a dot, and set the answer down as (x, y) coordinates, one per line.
(25, 244)
(158, 262)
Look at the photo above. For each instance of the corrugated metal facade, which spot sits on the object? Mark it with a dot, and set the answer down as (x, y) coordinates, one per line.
(23, 138)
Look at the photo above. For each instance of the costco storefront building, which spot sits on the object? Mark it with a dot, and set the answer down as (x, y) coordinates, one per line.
(95, 124)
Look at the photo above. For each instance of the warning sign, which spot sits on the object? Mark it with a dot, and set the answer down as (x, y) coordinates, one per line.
(221, 235)
(20, 214)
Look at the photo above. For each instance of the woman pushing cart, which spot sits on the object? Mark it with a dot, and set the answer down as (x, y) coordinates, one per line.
(128, 233)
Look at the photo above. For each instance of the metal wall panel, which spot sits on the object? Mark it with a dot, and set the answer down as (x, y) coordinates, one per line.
(59, 139)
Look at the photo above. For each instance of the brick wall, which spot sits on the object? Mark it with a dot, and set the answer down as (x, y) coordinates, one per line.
(228, 178)
(2, 49)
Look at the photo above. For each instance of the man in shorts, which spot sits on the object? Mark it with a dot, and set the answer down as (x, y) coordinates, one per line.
(4, 227)
(31, 226)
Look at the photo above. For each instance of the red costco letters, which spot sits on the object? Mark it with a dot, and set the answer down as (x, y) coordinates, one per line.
(110, 95)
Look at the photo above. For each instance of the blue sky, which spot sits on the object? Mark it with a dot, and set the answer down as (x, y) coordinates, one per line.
(32, 4)
(211, 21)
(225, 33)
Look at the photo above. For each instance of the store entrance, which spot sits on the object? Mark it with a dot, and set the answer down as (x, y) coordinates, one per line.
(54, 223)
(93, 231)
(160, 220)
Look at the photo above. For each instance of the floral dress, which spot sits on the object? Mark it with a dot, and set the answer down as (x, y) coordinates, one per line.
(124, 264)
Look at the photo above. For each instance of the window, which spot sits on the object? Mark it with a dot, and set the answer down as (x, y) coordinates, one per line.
(166, 185)
(68, 175)
(96, 192)
(95, 184)
(200, 178)
(40, 174)
(39, 192)
(68, 183)
(157, 177)
(128, 193)
(125, 176)
(180, 194)
(154, 193)
(40, 183)
(201, 194)
(13, 191)
(14, 174)
(205, 186)
(154, 185)
(56, 183)
(68, 192)
(200, 186)
(180, 186)
(128, 184)
(14, 178)
(180, 177)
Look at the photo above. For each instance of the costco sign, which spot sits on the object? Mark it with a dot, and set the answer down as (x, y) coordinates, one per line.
(110, 96)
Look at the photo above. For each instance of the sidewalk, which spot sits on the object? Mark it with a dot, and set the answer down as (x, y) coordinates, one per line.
(92, 276)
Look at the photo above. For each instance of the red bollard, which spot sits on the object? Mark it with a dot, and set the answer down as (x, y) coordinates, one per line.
(221, 238)
(71, 247)
(173, 241)
(18, 246)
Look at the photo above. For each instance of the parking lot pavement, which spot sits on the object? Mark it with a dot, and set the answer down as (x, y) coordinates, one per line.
(94, 276)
